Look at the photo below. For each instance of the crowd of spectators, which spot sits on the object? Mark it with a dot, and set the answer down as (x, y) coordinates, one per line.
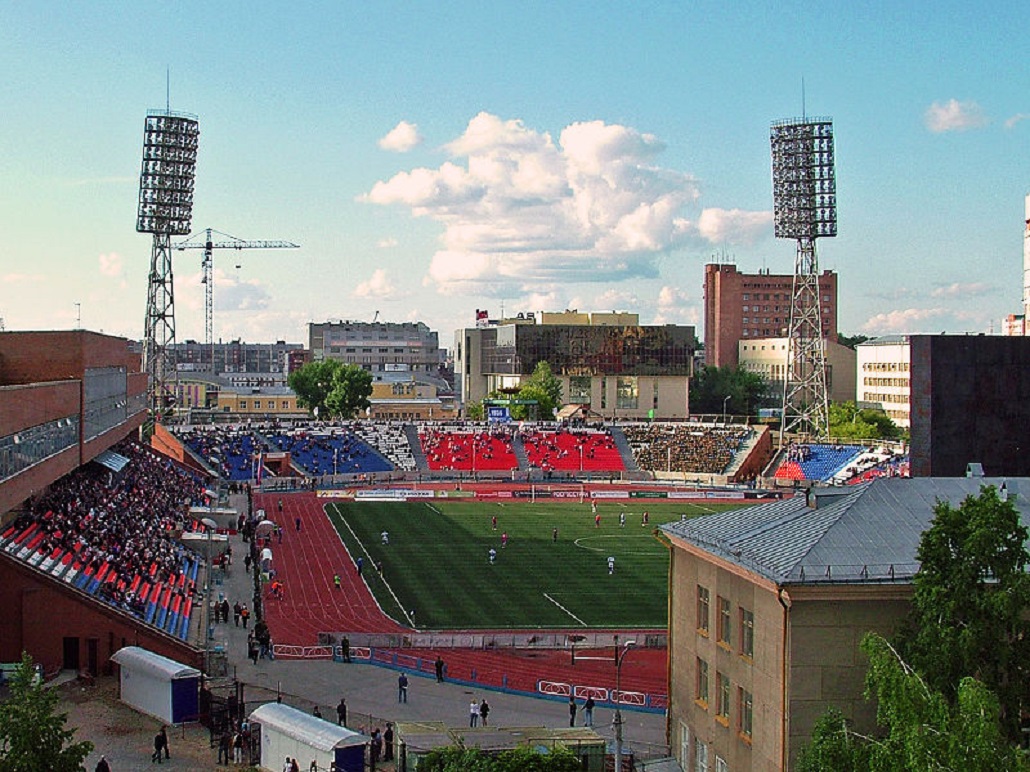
(570, 450)
(127, 521)
(685, 448)
(230, 451)
(469, 451)
(335, 451)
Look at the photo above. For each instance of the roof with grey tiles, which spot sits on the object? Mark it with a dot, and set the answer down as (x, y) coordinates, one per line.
(862, 534)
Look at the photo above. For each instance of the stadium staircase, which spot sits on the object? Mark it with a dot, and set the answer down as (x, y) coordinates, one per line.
(624, 449)
(421, 462)
(520, 452)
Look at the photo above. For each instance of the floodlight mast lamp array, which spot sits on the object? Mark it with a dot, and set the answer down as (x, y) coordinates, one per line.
(804, 209)
(170, 142)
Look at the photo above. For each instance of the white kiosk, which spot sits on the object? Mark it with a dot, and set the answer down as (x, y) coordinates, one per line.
(158, 686)
(286, 731)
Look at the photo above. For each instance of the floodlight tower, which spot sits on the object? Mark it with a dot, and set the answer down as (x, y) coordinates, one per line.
(804, 209)
(170, 142)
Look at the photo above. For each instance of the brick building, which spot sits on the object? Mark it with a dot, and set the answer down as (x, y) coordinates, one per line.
(65, 398)
(768, 604)
(745, 306)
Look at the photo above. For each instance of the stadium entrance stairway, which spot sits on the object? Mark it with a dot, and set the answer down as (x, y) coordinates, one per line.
(520, 451)
(624, 449)
(411, 433)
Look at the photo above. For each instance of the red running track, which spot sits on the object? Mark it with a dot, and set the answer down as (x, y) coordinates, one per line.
(307, 559)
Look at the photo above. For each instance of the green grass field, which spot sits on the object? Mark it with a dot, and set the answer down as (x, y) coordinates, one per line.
(437, 561)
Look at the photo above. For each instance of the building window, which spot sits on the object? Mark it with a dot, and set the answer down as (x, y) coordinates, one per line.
(721, 765)
(722, 697)
(257, 404)
(579, 389)
(701, 687)
(725, 630)
(700, 756)
(627, 392)
(243, 404)
(744, 712)
(703, 599)
(747, 632)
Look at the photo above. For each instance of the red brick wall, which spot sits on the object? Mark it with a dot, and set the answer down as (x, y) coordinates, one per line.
(24, 406)
(32, 357)
(39, 613)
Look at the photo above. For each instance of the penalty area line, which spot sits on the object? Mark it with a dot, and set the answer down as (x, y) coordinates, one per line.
(556, 603)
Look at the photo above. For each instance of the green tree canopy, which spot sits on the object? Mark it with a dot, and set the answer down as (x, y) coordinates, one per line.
(747, 391)
(334, 389)
(459, 759)
(972, 594)
(847, 421)
(33, 737)
(922, 730)
(851, 340)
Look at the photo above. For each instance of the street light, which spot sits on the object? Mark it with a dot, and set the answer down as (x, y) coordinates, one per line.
(210, 525)
(727, 399)
(617, 721)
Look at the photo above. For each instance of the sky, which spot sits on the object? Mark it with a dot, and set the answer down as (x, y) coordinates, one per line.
(434, 158)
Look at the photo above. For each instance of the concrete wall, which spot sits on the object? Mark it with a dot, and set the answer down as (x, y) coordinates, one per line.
(827, 668)
(33, 357)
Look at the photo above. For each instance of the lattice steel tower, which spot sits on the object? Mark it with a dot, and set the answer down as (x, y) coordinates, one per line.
(165, 209)
(804, 209)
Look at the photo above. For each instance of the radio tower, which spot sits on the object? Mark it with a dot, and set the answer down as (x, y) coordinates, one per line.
(804, 209)
(165, 209)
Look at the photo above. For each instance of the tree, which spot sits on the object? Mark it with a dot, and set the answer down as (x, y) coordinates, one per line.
(332, 388)
(457, 758)
(847, 421)
(33, 737)
(851, 340)
(972, 594)
(922, 730)
(747, 391)
(544, 379)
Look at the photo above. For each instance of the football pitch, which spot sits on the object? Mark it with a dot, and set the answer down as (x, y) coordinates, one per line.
(437, 561)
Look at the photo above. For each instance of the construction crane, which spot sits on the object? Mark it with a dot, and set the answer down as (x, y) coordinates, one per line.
(207, 279)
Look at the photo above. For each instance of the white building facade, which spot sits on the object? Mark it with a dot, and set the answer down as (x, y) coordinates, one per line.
(884, 377)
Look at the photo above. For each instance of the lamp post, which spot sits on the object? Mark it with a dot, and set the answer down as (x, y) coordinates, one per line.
(617, 721)
(210, 525)
(726, 400)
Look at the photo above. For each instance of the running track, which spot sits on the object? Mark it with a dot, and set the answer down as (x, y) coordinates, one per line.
(306, 561)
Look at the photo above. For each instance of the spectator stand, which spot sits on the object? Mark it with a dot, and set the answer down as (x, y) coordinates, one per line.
(113, 537)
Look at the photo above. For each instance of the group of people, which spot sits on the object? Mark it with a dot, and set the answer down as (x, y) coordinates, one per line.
(479, 711)
(689, 448)
(233, 742)
(469, 450)
(565, 449)
(126, 520)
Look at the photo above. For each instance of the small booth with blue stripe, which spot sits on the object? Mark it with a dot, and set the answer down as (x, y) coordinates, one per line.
(288, 732)
(157, 685)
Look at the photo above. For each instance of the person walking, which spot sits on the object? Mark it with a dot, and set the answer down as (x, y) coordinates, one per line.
(439, 669)
(345, 648)
(158, 747)
(102, 765)
(388, 742)
(402, 687)
(473, 712)
(244, 615)
(341, 712)
(588, 711)
(484, 712)
(236, 609)
(572, 710)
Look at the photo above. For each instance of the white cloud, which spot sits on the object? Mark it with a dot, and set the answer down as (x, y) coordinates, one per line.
(1017, 118)
(734, 226)
(386, 243)
(401, 138)
(954, 116)
(958, 289)
(524, 210)
(674, 307)
(904, 320)
(111, 264)
(378, 285)
(616, 300)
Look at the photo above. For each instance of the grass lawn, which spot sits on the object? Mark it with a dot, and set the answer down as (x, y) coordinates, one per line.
(437, 561)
